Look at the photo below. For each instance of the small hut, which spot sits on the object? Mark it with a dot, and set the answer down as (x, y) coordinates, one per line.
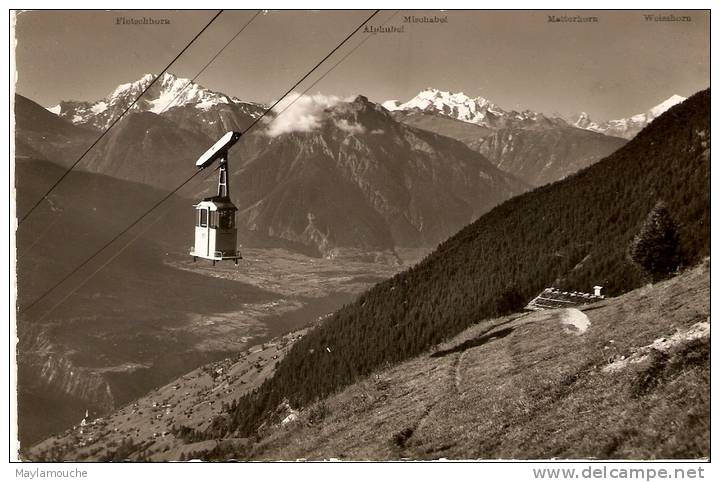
(553, 298)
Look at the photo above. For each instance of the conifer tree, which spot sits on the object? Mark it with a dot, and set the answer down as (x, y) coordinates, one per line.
(656, 247)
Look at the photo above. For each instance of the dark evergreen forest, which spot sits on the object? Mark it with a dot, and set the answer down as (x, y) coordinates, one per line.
(572, 234)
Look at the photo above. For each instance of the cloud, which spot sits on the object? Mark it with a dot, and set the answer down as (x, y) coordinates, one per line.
(344, 125)
(300, 113)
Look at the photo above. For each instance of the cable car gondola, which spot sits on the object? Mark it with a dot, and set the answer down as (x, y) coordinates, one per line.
(215, 231)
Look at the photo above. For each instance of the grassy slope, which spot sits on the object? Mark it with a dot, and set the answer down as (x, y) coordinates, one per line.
(622, 203)
(520, 386)
(534, 391)
(571, 234)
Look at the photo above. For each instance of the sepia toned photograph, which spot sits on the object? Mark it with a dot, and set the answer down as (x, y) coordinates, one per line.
(360, 235)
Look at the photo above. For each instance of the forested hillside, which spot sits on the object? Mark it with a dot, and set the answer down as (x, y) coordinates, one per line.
(571, 234)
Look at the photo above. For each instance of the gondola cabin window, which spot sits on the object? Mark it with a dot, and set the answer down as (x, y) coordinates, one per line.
(227, 219)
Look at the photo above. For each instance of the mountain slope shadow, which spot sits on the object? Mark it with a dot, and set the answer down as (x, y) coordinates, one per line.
(486, 337)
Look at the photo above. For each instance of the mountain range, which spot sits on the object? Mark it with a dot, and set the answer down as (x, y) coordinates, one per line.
(446, 339)
(394, 168)
(362, 179)
(356, 179)
(41, 135)
(571, 234)
(627, 127)
(541, 156)
(530, 145)
(482, 112)
(477, 110)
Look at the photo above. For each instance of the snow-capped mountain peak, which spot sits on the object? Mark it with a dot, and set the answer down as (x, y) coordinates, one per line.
(475, 110)
(139, 84)
(627, 127)
(663, 106)
(583, 121)
(165, 93)
(583, 117)
(457, 105)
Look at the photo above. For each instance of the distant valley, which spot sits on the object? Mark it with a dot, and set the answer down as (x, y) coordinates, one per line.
(152, 314)
(328, 207)
(448, 339)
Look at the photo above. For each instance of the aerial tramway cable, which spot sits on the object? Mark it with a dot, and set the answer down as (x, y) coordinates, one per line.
(167, 196)
(189, 82)
(350, 52)
(117, 119)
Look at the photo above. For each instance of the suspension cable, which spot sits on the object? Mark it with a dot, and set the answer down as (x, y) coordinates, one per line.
(168, 195)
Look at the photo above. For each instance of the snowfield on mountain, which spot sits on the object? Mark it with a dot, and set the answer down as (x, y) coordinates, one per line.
(167, 92)
(627, 127)
(483, 112)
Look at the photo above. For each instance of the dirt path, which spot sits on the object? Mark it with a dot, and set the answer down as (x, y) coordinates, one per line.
(453, 375)
(573, 321)
(457, 378)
